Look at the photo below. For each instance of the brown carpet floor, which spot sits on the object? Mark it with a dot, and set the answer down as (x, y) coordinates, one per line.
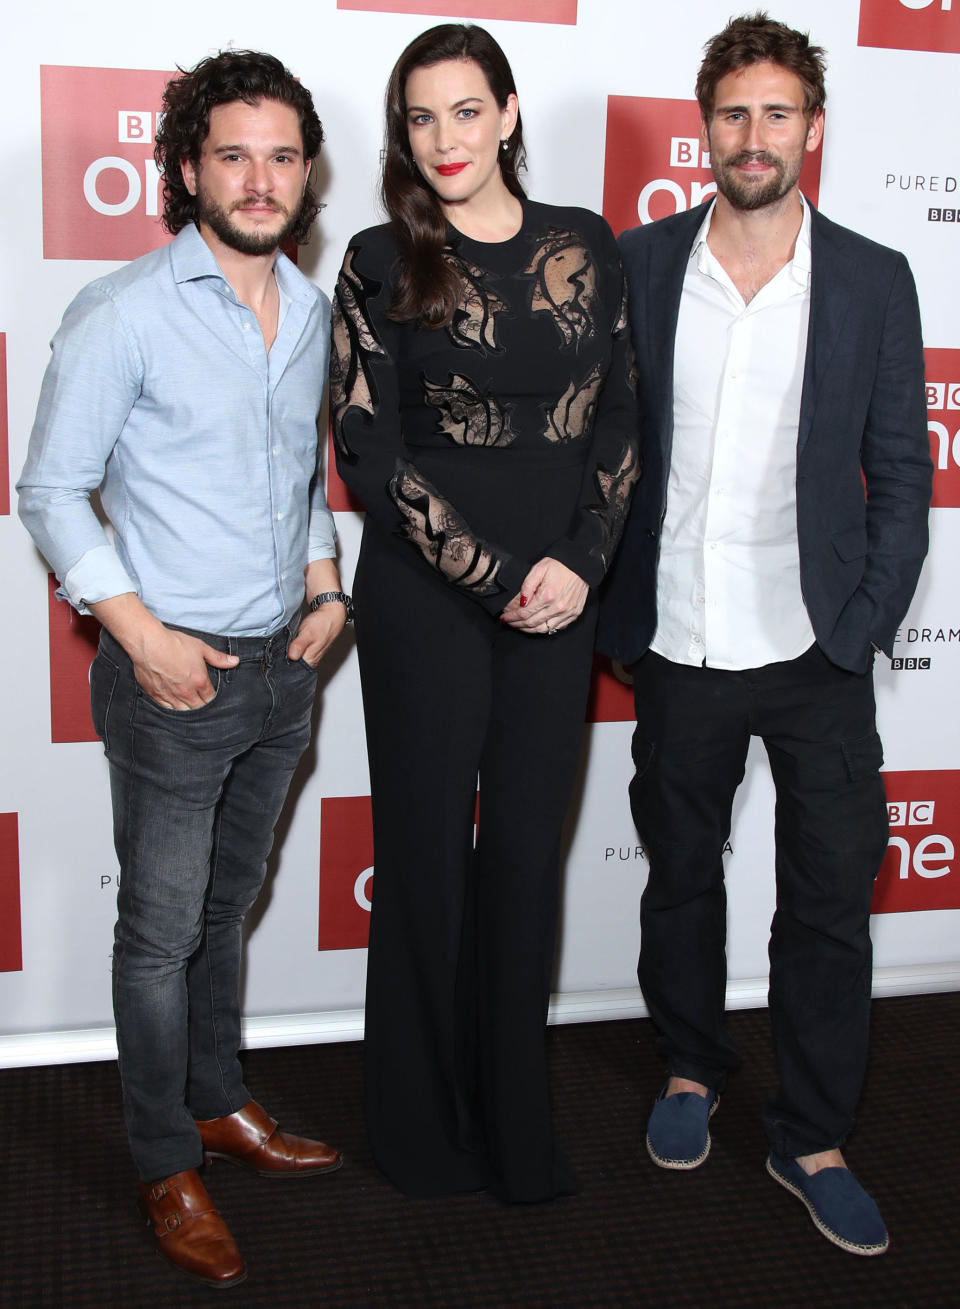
(723, 1235)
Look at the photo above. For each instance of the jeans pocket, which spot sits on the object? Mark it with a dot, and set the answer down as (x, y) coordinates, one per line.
(103, 682)
(302, 663)
(215, 681)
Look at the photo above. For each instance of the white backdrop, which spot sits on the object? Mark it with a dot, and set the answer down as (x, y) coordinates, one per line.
(889, 169)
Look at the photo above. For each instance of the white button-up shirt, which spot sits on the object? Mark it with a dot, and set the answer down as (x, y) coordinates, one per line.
(728, 586)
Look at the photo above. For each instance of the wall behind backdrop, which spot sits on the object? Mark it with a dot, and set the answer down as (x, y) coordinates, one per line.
(606, 91)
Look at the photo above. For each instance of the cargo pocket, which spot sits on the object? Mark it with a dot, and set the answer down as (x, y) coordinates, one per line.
(863, 756)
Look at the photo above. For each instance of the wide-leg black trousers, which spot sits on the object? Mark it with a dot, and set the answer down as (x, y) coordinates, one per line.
(462, 934)
(817, 723)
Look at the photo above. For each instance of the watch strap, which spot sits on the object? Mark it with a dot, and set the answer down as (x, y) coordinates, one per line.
(328, 597)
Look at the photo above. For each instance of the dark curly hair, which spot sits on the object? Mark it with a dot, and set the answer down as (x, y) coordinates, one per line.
(427, 287)
(756, 39)
(246, 75)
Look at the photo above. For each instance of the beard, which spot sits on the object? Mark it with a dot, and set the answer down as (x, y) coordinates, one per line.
(246, 242)
(745, 194)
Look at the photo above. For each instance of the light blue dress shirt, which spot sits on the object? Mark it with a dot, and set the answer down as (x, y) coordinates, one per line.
(161, 393)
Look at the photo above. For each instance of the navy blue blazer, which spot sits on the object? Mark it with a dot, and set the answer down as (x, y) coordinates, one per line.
(863, 424)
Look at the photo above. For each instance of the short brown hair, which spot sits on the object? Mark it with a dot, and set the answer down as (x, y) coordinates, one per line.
(758, 39)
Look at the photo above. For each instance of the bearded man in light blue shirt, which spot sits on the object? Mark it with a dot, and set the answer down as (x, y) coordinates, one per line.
(186, 387)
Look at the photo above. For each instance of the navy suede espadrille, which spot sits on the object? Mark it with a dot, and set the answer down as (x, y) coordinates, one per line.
(837, 1203)
(677, 1132)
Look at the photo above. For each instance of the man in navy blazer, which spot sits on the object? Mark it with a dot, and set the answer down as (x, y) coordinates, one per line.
(773, 545)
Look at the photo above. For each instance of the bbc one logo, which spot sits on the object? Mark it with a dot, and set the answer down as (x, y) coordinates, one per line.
(919, 870)
(101, 187)
(654, 165)
(911, 25)
(943, 422)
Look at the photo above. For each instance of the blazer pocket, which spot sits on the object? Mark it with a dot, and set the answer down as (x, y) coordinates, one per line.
(851, 543)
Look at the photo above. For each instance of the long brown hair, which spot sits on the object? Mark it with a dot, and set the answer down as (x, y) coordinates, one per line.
(426, 288)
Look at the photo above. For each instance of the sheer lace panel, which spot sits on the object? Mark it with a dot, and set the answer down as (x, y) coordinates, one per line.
(572, 415)
(474, 323)
(353, 343)
(468, 416)
(442, 536)
(614, 486)
(565, 285)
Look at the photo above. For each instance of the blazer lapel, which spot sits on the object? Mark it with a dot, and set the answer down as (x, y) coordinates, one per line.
(668, 266)
(833, 273)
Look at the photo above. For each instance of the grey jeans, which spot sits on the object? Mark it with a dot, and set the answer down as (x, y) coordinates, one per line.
(196, 795)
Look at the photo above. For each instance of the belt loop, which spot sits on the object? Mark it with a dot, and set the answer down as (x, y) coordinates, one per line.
(231, 649)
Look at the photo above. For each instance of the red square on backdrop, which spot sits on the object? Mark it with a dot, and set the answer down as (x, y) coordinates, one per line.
(920, 869)
(346, 872)
(11, 937)
(921, 25)
(522, 11)
(943, 420)
(73, 644)
(4, 431)
(101, 188)
(611, 692)
(653, 164)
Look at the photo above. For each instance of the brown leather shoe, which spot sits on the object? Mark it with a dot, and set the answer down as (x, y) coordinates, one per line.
(250, 1138)
(189, 1231)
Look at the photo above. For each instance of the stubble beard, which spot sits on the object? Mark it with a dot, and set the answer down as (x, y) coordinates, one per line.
(745, 195)
(245, 242)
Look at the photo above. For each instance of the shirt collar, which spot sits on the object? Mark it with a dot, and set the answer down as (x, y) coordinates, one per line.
(800, 265)
(192, 259)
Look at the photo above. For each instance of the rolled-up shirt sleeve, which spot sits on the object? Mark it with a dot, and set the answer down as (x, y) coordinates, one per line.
(91, 384)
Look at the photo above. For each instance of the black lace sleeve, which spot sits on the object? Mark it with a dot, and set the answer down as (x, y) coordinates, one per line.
(613, 466)
(371, 454)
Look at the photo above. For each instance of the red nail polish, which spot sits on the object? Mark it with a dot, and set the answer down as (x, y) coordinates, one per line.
(523, 601)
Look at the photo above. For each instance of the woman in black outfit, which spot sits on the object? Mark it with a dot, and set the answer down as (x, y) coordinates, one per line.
(484, 414)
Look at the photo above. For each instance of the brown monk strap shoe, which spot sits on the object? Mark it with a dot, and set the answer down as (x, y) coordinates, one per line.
(251, 1139)
(189, 1231)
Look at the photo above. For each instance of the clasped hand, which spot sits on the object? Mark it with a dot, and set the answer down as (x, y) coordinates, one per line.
(552, 597)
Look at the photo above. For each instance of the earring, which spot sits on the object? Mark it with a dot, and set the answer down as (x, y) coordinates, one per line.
(504, 144)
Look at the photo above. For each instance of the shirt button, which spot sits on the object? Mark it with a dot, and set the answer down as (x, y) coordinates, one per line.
(275, 450)
(246, 327)
(696, 638)
(279, 515)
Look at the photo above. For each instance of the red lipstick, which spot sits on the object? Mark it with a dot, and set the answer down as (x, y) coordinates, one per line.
(450, 170)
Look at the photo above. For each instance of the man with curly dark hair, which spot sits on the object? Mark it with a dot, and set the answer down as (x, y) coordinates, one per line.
(243, 76)
(186, 387)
